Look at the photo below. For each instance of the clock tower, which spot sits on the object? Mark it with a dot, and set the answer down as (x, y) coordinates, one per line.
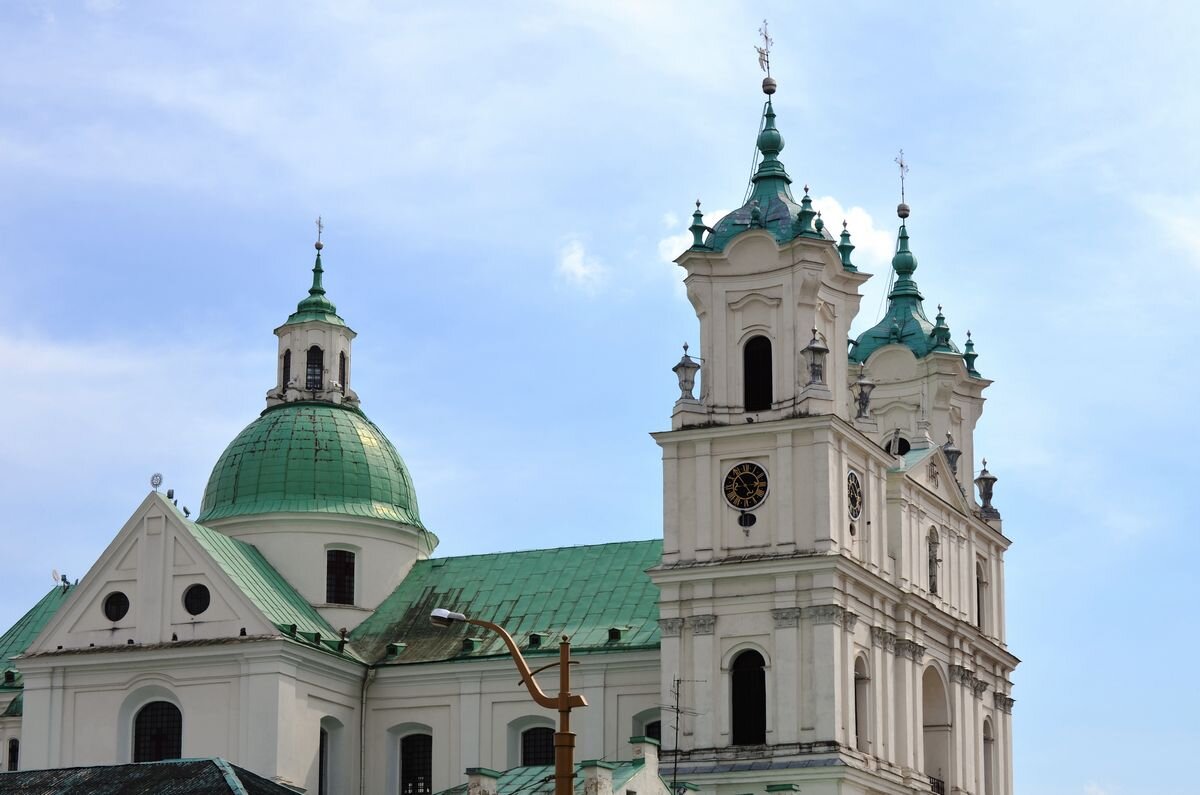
(831, 591)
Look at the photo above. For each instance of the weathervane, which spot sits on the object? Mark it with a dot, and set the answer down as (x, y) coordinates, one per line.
(902, 210)
(764, 52)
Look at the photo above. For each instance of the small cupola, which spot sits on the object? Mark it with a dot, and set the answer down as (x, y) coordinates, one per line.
(314, 348)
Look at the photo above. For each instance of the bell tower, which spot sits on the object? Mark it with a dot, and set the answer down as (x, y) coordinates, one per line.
(831, 591)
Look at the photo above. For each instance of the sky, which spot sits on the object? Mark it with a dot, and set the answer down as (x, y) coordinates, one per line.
(504, 186)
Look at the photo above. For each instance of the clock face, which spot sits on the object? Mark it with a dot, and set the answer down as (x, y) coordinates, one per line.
(854, 495)
(746, 486)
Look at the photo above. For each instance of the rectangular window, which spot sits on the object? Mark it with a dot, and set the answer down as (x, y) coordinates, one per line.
(339, 577)
(14, 753)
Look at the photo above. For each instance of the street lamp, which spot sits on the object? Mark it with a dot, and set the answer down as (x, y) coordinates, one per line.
(564, 702)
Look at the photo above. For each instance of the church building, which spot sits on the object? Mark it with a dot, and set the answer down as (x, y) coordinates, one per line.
(823, 610)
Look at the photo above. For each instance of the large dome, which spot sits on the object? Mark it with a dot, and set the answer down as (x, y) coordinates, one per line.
(310, 457)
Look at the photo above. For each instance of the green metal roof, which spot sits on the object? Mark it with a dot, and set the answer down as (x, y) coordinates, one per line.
(539, 779)
(581, 591)
(316, 306)
(267, 589)
(311, 457)
(171, 777)
(16, 707)
(21, 634)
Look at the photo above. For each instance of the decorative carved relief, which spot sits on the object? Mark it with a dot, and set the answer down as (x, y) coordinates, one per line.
(670, 627)
(979, 688)
(702, 625)
(910, 649)
(882, 638)
(828, 614)
(1003, 702)
(786, 617)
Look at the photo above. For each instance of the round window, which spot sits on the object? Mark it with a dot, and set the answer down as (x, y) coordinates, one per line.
(196, 599)
(116, 605)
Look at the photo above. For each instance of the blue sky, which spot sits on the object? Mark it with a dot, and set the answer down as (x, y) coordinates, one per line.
(504, 186)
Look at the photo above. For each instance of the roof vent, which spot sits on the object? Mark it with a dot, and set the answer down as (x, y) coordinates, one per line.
(471, 644)
(535, 640)
(614, 634)
(9, 677)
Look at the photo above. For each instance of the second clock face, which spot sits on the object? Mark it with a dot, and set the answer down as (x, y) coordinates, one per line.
(746, 486)
(854, 495)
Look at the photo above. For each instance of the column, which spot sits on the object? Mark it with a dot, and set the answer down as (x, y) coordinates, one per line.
(785, 679)
(706, 669)
(825, 629)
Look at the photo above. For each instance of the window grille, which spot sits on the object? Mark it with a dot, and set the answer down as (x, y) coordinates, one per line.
(314, 369)
(339, 577)
(416, 764)
(537, 746)
(157, 732)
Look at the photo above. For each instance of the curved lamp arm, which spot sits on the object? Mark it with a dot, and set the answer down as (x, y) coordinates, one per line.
(531, 684)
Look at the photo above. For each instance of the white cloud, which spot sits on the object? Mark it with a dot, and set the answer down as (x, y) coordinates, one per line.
(874, 247)
(1094, 789)
(578, 269)
(1179, 219)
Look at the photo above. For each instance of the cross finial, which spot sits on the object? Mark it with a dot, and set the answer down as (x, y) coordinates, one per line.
(903, 170)
(320, 228)
(764, 52)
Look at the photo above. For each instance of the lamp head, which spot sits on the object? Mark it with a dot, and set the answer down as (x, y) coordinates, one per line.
(441, 617)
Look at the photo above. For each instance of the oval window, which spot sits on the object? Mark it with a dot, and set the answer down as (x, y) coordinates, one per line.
(196, 599)
(116, 605)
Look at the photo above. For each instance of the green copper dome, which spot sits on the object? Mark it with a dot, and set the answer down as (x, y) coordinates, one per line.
(309, 457)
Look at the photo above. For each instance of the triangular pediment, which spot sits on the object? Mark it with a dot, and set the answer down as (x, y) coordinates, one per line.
(931, 470)
(135, 592)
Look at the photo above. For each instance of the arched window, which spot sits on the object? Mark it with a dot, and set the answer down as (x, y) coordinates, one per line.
(14, 753)
(749, 699)
(339, 577)
(989, 759)
(862, 702)
(935, 730)
(537, 746)
(314, 368)
(342, 371)
(980, 595)
(158, 732)
(934, 560)
(416, 764)
(287, 368)
(756, 373)
(653, 730)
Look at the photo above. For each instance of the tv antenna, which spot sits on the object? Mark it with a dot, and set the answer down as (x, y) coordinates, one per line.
(678, 710)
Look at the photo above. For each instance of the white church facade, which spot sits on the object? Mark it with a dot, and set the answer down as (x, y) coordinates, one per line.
(825, 604)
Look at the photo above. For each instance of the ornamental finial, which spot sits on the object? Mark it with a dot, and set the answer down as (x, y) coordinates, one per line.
(902, 209)
(320, 228)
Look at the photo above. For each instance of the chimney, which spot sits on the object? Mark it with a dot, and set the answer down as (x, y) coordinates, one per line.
(645, 752)
(482, 781)
(597, 777)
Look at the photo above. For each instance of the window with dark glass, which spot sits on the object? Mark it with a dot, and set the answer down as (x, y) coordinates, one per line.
(749, 689)
(157, 732)
(14, 753)
(323, 764)
(116, 605)
(287, 368)
(314, 368)
(979, 595)
(537, 746)
(653, 730)
(339, 577)
(756, 372)
(416, 764)
(196, 599)
(342, 371)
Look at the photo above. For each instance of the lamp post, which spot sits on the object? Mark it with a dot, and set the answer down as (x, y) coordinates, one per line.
(564, 702)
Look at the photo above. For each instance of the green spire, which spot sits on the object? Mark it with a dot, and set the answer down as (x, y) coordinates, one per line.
(770, 143)
(941, 332)
(697, 228)
(905, 321)
(316, 306)
(844, 248)
(804, 219)
(969, 356)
